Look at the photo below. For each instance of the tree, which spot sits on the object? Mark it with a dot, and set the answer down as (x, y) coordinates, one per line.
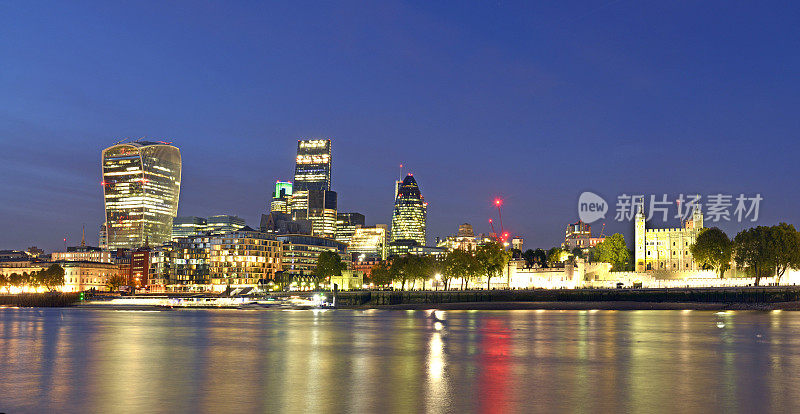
(5, 282)
(614, 250)
(329, 264)
(401, 270)
(30, 280)
(530, 258)
(541, 257)
(713, 248)
(578, 253)
(492, 257)
(421, 268)
(17, 280)
(754, 250)
(459, 263)
(50, 278)
(786, 242)
(437, 267)
(381, 274)
(554, 256)
(114, 282)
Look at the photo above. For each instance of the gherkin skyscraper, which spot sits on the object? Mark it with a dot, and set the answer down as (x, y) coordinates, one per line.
(409, 217)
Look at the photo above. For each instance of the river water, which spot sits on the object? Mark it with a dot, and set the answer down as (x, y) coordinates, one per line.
(343, 361)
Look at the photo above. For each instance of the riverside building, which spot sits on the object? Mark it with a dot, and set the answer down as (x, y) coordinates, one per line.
(141, 185)
(300, 254)
(244, 258)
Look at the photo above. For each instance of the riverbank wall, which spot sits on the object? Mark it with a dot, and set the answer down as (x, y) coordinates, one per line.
(42, 300)
(746, 295)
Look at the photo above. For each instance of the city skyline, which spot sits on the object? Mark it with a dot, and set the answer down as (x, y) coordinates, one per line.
(629, 99)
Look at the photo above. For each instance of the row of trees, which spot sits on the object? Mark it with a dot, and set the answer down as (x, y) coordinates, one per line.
(50, 278)
(761, 251)
(487, 261)
(613, 250)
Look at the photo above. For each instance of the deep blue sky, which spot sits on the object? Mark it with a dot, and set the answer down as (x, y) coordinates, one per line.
(534, 101)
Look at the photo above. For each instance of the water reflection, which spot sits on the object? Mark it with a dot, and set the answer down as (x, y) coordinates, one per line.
(74, 360)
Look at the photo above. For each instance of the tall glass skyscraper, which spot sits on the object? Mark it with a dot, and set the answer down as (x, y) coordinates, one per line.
(313, 168)
(410, 212)
(312, 197)
(141, 185)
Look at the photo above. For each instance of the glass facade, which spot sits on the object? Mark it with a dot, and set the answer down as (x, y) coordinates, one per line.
(187, 226)
(313, 168)
(410, 212)
(369, 243)
(300, 253)
(141, 185)
(346, 225)
(319, 207)
(312, 197)
(224, 223)
(243, 258)
(281, 197)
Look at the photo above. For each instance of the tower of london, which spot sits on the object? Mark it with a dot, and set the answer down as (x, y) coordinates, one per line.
(666, 249)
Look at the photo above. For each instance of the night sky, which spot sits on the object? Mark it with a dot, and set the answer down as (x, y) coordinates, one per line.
(532, 101)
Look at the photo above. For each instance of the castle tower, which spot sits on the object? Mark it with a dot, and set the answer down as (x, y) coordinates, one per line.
(639, 239)
(697, 218)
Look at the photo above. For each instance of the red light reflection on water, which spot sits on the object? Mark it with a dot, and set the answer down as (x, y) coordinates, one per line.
(495, 367)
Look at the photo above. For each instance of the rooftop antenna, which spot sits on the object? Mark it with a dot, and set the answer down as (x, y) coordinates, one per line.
(401, 172)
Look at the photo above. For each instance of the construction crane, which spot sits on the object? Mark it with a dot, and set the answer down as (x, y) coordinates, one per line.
(503, 235)
(491, 223)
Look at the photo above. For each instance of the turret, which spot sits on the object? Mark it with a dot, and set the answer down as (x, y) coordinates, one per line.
(639, 238)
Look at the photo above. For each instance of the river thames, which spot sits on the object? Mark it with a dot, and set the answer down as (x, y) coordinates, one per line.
(341, 361)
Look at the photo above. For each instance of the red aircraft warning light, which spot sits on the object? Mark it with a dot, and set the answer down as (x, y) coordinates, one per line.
(499, 202)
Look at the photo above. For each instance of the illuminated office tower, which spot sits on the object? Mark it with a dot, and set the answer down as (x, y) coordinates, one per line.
(346, 225)
(281, 197)
(322, 207)
(312, 198)
(141, 185)
(408, 219)
(103, 242)
(224, 224)
(368, 243)
(187, 226)
(313, 168)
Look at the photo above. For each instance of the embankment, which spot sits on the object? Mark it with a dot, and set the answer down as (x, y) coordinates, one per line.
(45, 300)
(763, 298)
